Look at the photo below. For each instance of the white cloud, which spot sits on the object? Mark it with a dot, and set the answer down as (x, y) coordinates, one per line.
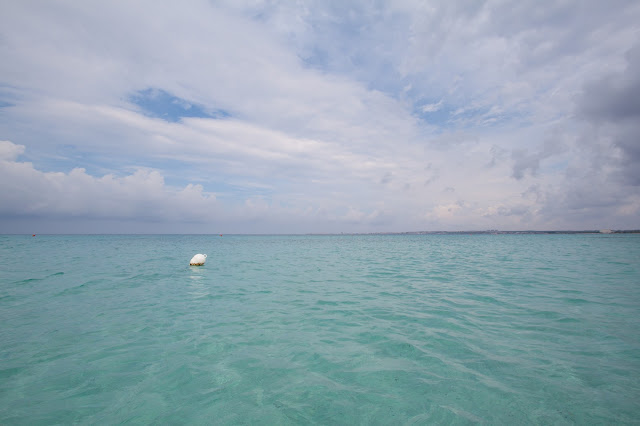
(28, 191)
(431, 107)
(10, 151)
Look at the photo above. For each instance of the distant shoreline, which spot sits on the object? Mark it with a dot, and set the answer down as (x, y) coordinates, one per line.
(487, 232)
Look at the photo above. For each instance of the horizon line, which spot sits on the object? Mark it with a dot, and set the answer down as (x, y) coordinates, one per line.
(488, 232)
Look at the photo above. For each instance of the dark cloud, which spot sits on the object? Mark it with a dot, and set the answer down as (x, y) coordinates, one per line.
(592, 201)
(612, 105)
(387, 178)
(615, 97)
(523, 160)
(497, 156)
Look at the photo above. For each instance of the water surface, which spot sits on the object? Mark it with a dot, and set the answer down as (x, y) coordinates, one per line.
(394, 329)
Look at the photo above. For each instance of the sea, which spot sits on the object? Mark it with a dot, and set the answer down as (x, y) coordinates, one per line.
(320, 329)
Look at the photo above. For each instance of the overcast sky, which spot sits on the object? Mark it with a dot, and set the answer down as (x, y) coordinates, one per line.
(319, 116)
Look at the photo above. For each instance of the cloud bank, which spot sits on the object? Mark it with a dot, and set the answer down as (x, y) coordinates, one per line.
(267, 117)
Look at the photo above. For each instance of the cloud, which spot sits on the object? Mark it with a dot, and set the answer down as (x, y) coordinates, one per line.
(523, 160)
(10, 151)
(316, 116)
(612, 105)
(615, 97)
(143, 194)
(431, 107)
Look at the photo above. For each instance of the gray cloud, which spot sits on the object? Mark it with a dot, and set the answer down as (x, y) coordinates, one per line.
(615, 97)
(612, 105)
(523, 160)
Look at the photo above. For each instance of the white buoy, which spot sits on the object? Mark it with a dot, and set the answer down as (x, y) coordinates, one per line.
(198, 260)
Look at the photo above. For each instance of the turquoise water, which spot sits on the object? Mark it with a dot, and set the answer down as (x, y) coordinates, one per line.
(434, 329)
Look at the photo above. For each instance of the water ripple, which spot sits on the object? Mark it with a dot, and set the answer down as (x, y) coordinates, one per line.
(321, 330)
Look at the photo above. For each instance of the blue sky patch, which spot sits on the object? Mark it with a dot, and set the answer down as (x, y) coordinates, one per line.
(434, 114)
(448, 116)
(161, 104)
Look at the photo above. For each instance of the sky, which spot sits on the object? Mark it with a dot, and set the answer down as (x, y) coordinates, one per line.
(250, 116)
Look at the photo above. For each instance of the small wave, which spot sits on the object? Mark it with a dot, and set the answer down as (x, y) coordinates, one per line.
(79, 288)
(29, 280)
(577, 301)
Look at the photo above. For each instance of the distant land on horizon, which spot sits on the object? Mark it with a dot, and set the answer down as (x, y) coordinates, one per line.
(471, 232)
(492, 232)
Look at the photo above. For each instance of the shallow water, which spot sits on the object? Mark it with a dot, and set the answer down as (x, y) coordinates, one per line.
(434, 329)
